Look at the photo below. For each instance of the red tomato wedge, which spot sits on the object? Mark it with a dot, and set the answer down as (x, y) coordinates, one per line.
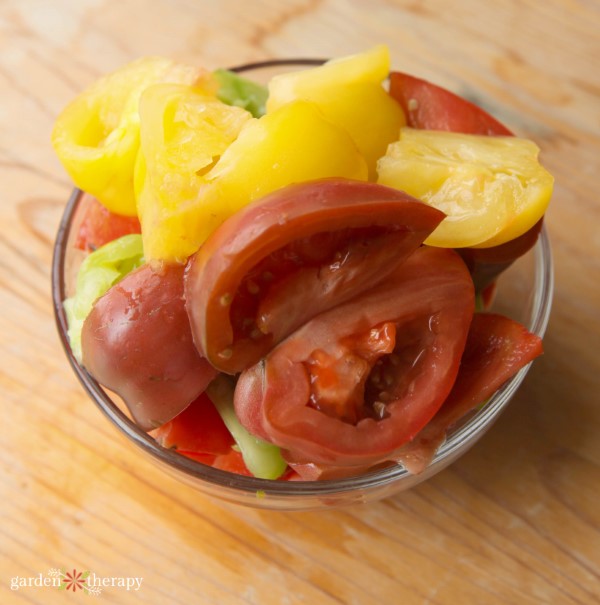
(355, 383)
(432, 107)
(291, 255)
(232, 462)
(99, 226)
(137, 342)
(199, 429)
(497, 348)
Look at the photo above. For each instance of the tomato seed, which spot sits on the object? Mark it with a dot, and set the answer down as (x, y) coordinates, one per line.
(379, 409)
(252, 287)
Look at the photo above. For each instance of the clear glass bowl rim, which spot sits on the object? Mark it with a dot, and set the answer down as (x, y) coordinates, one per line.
(238, 485)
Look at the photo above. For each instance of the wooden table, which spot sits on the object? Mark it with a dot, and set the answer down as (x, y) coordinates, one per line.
(516, 520)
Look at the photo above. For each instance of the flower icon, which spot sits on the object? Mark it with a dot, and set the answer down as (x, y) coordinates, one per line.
(74, 581)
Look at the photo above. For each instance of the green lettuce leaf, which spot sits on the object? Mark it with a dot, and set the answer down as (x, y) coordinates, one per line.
(101, 270)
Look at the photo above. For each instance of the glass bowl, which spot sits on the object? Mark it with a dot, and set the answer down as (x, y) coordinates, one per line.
(524, 293)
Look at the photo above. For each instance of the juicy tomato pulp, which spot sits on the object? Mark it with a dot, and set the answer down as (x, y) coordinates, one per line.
(99, 225)
(291, 255)
(323, 395)
(273, 282)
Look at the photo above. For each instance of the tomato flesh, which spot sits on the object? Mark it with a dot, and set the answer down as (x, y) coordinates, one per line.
(295, 253)
(198, 429)
(99, 225)
(430, 300)
(233, 462)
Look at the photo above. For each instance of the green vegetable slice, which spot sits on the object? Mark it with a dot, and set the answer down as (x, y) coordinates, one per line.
(101, 270)
(235, 90)
(263, 459)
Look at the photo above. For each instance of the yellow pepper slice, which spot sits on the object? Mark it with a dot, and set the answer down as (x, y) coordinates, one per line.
(350, 93)
(492, 189)
(96, 137)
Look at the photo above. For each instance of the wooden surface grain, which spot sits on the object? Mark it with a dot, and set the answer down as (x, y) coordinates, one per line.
(516, 520)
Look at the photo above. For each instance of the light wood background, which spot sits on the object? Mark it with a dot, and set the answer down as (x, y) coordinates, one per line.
(515, 521)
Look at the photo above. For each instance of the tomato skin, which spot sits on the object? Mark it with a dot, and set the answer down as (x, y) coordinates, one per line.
(232, 462)
(276, 223)
(486, 264)
(137, 342)
(432, 107)
(431, 290)
(99, 225)
(198, 429)
(497, 348)
(208, 459)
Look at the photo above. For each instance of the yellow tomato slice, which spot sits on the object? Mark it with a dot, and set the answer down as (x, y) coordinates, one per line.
(492, 189)
(372, 66)
(293, 144)
(183, 133)
(349, 92)
(96, 137)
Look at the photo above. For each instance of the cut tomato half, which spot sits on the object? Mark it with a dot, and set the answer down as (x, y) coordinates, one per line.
(357, 382)
(295, 253)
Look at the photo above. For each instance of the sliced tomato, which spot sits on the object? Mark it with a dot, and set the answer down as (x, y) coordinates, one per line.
(137, 342)
(497, 348)
(432, 107)
(199, 429)
(389, 356)
(208, 459)
(296, 252)
(232, 462)
(99, 225)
